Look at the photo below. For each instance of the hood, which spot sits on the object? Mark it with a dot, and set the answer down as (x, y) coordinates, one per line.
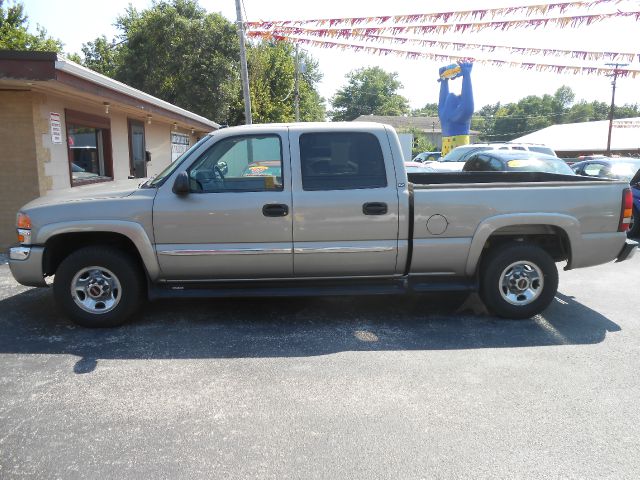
(98, 191)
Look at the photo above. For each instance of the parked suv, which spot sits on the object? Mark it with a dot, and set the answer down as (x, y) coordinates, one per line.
(456, 158)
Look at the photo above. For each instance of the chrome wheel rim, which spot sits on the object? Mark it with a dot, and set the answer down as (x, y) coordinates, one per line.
(96, 290)
(521, 283)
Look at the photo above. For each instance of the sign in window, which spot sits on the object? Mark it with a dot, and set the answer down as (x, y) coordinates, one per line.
(179, 145)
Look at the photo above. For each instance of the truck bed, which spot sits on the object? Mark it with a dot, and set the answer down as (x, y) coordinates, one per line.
(439, 178)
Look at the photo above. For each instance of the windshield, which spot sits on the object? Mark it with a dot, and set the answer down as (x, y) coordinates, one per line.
(456, 154)
(158, 179)
(625, 170)
(540, 164)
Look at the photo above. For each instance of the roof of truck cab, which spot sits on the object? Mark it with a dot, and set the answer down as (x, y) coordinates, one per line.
(351, 126)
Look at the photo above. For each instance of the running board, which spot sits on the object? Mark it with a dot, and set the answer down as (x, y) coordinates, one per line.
(309, 288)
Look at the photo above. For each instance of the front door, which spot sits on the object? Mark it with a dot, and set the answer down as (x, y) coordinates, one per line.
(137, 149)
(236, 221)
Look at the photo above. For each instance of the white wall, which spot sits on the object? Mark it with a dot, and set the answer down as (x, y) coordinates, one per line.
(406, 142)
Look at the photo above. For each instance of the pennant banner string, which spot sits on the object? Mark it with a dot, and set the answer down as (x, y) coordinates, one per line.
(448, 58)
(570, 21)
(542, 9)
(430, 43)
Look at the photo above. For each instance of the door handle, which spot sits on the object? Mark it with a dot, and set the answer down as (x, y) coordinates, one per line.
(275, 210)
(375, 208)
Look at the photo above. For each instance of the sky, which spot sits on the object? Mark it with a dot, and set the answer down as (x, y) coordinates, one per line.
(77, 22)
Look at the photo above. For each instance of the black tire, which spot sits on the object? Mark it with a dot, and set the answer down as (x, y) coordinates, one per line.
(518, 280)
(634, 228)
(113, 291)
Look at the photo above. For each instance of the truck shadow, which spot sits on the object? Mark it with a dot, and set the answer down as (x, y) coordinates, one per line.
(292, 327)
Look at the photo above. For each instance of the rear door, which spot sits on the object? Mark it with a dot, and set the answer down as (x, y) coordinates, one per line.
(346, 203)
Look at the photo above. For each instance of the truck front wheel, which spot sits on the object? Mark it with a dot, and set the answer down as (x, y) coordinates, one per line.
(98, 286)
(518, 281)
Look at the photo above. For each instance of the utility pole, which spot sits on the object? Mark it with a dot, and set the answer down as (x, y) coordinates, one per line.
(243, 65)
(613, 100)
(297, 87)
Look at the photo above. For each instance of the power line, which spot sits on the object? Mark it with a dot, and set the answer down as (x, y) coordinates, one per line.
(508, 133)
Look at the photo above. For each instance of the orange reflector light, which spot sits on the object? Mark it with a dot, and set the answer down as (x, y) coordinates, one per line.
(23, 221)
(20, 238)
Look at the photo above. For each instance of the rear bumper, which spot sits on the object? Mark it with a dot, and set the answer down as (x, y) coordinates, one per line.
(26, 265)
(628, 251)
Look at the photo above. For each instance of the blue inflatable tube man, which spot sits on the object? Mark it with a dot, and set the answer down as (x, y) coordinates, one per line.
(455, 111)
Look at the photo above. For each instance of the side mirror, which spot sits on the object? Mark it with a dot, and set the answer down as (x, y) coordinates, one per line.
(224, 168)
(181, 184)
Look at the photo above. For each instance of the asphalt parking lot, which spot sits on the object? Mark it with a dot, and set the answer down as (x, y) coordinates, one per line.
(353, 387)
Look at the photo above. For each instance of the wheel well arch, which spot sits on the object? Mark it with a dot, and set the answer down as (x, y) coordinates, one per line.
(552, 239)
(60, 246)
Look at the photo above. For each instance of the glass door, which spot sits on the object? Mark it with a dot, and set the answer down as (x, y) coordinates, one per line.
(137, 149)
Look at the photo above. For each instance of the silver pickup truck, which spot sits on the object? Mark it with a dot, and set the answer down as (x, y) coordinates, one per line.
(315, 209)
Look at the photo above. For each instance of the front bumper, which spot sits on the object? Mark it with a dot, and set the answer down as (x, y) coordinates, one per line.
(628, 251)
(26, 265)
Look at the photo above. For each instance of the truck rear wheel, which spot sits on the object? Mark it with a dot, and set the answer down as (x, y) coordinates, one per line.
(518, 281)
(98, 287)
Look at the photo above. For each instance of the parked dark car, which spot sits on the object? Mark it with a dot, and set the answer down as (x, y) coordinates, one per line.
(456, 158)
(618, 168)
(515, 161)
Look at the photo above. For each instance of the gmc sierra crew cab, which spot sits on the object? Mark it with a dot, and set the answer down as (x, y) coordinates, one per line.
(315, 209)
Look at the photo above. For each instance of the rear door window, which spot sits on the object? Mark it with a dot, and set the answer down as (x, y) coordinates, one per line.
(341, 161)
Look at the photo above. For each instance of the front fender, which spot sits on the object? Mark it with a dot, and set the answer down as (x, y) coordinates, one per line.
(132, 230)
(570, 225)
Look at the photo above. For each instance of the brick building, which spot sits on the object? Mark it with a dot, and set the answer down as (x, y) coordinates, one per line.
(63, 125)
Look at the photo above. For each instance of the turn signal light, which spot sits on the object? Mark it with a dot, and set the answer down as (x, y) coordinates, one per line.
(626, 210)
(23, 221)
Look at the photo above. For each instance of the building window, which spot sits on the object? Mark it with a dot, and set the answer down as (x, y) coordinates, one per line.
(89, 147)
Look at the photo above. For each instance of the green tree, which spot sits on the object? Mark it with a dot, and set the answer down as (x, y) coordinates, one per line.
(420, 141)
(626, 111)
(429, 110)
(580, 112)
(177, 51)
(272, 85)
(312, 105)
(14, 34)
(102, 56)
(369, 91)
